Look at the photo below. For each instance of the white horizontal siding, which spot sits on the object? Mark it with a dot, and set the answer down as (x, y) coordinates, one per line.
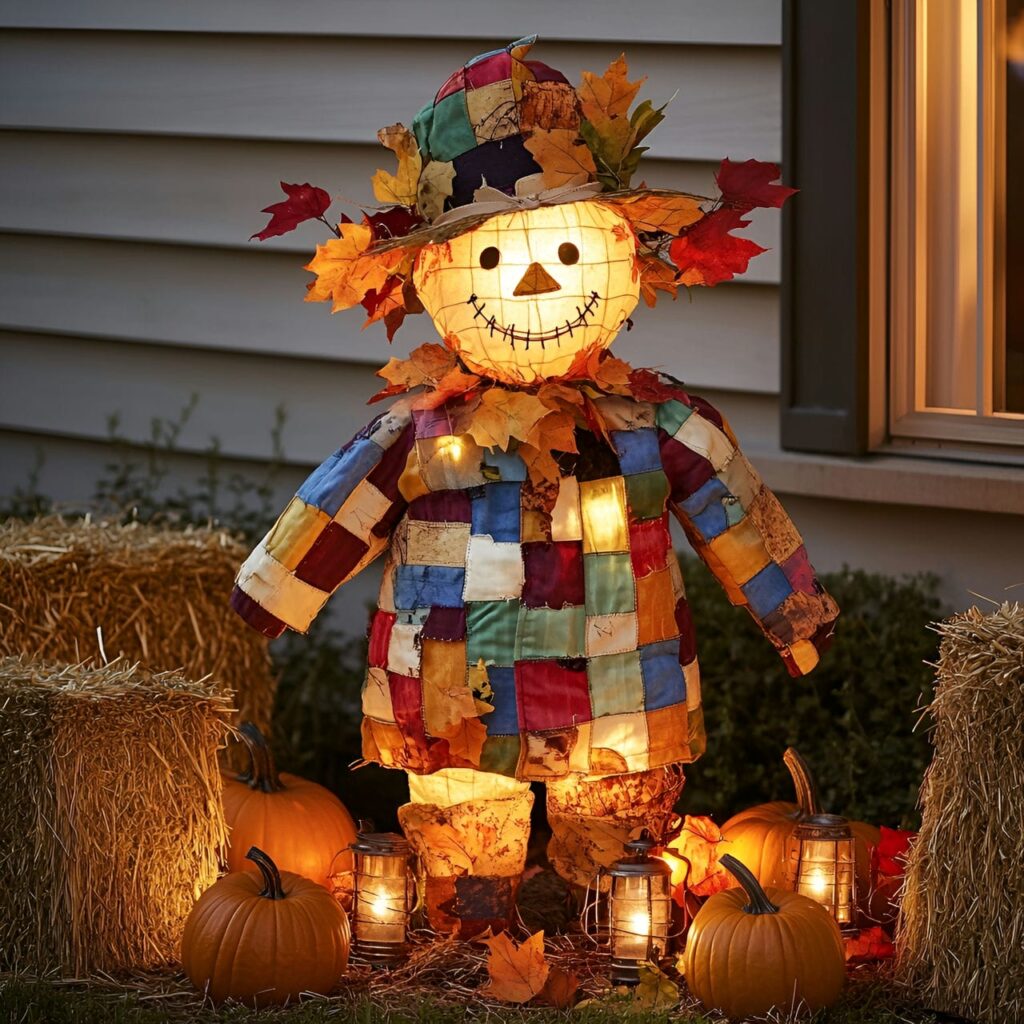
(733, 22)
(343, 90)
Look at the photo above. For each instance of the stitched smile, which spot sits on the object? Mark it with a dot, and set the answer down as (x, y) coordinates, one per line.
(528, 337)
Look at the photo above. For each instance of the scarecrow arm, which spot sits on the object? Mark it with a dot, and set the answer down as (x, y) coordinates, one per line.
(741, 532)
(339, 521)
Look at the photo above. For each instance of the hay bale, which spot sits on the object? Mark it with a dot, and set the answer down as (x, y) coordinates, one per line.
(111, 815)
(77, 590)
(960, 941)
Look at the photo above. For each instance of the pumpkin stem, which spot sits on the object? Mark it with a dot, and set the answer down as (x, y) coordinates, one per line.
(759, 902)
(262, 773)
(272, 889)
(803, 782)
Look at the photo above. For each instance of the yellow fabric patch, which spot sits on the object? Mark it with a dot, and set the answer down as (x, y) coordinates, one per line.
(741, 550)
(565, 516)
(536, 526)
(377, 696)
(436, 543)
(805, 655)
(691, 675)
(603, 505)
(447, 697)
(546, 755)
(621, 413)
(450, 462)
(741, 478)
(656, 606)
(626, 735)
(364, 508)
(295, 532)
(274, 588)
(669, 736)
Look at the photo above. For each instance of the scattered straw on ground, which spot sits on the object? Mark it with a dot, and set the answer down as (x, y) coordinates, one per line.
(77, 591)
(961, 938)
(111, 816)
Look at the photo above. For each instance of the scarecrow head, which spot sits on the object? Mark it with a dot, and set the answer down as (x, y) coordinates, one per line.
(512, 221)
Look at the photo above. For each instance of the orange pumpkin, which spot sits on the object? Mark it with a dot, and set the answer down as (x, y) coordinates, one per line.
(748, 950)
(302, 826)
(759, 837)
(264, 939)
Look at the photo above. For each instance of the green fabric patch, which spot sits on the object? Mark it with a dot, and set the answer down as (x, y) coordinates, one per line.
(646, 494)
(671, 415)
(734, 511)
(491, 632)
(616, 684)
(421, 125)
(608, 583)
(551, 633)
(451, 134)
(500, 755)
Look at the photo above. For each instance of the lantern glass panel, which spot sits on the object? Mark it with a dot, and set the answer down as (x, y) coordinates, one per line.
(383, 895)
(823, 860)
(640, 916)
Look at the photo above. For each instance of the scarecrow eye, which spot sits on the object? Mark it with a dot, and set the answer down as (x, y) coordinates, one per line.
(568, 253)
(490, 258)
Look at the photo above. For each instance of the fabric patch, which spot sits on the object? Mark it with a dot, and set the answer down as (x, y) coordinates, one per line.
(687, 632)
(495, 512)
(254, 614)
(331, 559)
(767, 590)
(550, 633)
(547, 755)
(551, 694)
(800, 572)
(691, 673)
(621, 413)
(380, 639)
(447, 697)
(548, 105)
(504, 719)
(454, 83)
(494, 572)
(741, 550)
(450, 463)
(553, 574)
(565, 516)
(487, 68)
(706, 509)
(671, 415)
(451, 134)
(500, 163)
(655, 606)
(363, 509)
(649, 545)
(503, 466)
(603, 507)
(431, 423)
(491, 632)
(376, 697)
(626, 735)
(616, 684)
(536, 526)
(777, 531)
(646, 494)
(686, 469)
(445, 624)
(436, 543)
(441, 507)
(492, 111)
(740, 477)
(638, 450)
(664, 683)
(331, 483)
(703, 437)
(386, 474)
(804, 655)
(611, 634)
(501, 754)
(405, 699)
(295, 531)
(669, 737)
(608, 584)
(424, 586)
(404, 649)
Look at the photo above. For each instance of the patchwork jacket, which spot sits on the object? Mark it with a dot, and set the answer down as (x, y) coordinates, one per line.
(537, 631)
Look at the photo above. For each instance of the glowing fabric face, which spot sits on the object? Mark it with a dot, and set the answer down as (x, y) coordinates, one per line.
(523, 293)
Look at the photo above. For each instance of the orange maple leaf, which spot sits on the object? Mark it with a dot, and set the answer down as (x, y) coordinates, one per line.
(656, 275)
(660, 213)
(563, 157)
(608, 95)
(560, 989)
(517, 972)
(466, 738)
(346, 271)
(503, 414)
(426, 366)
(697, 844)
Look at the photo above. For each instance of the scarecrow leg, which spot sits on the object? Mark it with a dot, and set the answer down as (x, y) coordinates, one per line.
(469, 831)
(592, 817)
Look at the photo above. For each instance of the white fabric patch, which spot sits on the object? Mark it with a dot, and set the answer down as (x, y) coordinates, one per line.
(494, 570)
(364, 508)
(403, 651)
(611, 634)
(704, 438)
(274, 588)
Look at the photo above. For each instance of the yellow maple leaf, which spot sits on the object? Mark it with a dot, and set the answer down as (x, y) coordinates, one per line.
(517, 971)
(541, 466)
(655, 989)
(609, 95)
(466, 738)
(434, 187)
(563, 157)
(346, 271)
(503, 414)
(399, 188)
(662, 213)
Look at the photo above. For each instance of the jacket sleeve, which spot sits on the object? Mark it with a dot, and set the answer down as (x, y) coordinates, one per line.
(741, 532)
(339, 521)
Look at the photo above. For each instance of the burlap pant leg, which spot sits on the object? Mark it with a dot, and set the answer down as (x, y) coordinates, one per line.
(469, 831)
(591, 818)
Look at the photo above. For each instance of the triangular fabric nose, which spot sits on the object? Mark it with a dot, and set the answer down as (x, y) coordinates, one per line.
(536, 281)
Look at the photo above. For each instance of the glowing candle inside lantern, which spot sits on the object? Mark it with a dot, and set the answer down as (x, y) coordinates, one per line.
(383, 895)
(822, 865)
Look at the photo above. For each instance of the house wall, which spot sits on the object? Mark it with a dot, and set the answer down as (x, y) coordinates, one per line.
(141, 141)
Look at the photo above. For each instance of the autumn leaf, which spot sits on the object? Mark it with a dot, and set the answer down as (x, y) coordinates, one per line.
(608, 95)
(556, 432)
(378, 304)
(399, 188)
(597, 364)
(746, 185)
(426, 365)
(434, 187)
(655, 989)
(518, 972)
(648, 386)
(466, 739)
(394, 222)
(656, 275)
(869, 944)
(560, 989)
(657, 213)
(304, 202)
(455, 382)
(563, 157)
(345, 271)
(889, 857)
(504, 414)
(559, 396)
(697, 844)
(706, 254)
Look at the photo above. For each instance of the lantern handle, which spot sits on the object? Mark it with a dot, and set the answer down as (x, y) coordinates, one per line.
(589, 915)
(759, 902)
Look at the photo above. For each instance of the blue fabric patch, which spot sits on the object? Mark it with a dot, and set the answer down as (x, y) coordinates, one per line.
(664, 683)
(509, 466)
(767, 590)
(333, 481)
(712, 490)
(638, 450)
(504, 719)
(496, 511)
(426, 586)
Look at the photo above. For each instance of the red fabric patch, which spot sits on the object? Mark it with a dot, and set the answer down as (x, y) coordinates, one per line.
(707, 410)
(334, 554)
(385, 475)
(649, 543)
(442, 507)
(552, 694)
(255, 614)
(687, 471)
(554, 574)
(542, 73)
(454, 84)
(405, 699)
(445, 624)
(380, 639)
(491, 69)
(800, 572)
(687, 632)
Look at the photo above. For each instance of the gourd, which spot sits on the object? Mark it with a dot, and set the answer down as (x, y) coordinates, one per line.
(265, 938)
(749, 950)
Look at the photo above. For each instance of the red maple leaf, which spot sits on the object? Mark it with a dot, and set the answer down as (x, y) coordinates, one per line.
(394, 222)
(304, 202)
(889, 857)
(869, 944)
(748, 184)
(648, 386)
(707, 254)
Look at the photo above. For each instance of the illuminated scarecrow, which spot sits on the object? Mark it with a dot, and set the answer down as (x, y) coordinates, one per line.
(532, 622)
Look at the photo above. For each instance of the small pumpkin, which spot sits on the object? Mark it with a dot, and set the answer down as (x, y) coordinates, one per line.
(302, 826)
(749, 950)
(266, 938)
(759, 836)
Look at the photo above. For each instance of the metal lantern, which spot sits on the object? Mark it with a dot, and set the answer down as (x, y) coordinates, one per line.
(821, 865)
(383, 896)
(640, 909)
